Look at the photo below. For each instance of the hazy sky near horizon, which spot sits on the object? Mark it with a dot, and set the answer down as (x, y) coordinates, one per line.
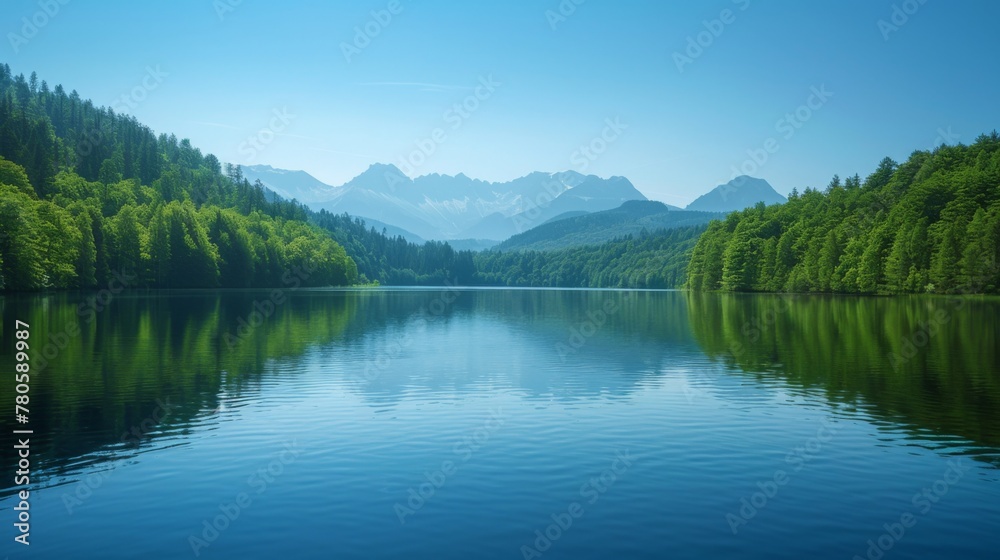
(675, 96)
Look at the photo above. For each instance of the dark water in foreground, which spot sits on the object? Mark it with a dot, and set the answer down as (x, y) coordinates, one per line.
(507, 424)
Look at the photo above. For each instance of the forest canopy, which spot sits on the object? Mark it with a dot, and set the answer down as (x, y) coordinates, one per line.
(86, 193)
(930, 224)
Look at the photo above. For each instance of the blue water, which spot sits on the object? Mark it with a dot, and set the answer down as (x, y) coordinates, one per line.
(500, 424)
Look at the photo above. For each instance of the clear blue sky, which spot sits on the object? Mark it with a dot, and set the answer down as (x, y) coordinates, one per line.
(686, 130)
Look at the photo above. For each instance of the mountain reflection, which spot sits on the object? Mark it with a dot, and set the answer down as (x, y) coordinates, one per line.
(162, 366)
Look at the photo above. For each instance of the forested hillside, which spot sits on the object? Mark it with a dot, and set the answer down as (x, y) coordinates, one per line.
(86, 193)
(931, 224)
(392, 260)
(594, 228)
(648, 260)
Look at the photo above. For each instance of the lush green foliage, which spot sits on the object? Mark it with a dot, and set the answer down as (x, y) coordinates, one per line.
(394, 260)
(86, 194)
(646, 260)
(931, 224)
(657, 260)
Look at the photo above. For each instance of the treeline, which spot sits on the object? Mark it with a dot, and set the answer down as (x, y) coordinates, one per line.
(394, 260)
(931, 224)
(655, 259)
(86, 194)
(648, 260)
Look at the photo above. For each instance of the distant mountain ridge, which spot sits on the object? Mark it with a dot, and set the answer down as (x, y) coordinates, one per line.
(742, 192)
(448, 207)
(297, 185)
(459, 208)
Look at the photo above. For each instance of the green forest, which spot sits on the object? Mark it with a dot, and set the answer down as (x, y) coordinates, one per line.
(394, 260)
(648, 260)
(929, 225)
(86, 193)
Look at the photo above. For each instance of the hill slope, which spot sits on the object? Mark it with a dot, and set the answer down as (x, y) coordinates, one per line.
(631, 218)
(650, 260)
(931, 224)
(87, 196)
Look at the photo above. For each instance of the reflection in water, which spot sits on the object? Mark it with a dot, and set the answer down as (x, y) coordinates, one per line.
(149, 366)
(159, 365)
(164, 406)
(197, 353)
(573, 338)
(926, 363)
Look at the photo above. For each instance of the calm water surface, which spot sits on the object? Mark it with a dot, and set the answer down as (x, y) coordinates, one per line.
(410, 423)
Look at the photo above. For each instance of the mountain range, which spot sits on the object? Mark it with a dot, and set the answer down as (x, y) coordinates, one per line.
(742, 192)
(478, 213)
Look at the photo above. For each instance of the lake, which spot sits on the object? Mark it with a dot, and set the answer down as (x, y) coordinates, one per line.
(494, 423)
